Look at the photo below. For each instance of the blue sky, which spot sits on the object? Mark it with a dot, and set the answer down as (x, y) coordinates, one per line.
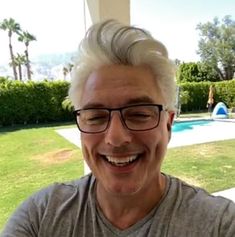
(59, 24)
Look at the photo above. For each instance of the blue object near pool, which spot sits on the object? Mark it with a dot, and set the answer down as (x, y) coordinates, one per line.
(220, 111)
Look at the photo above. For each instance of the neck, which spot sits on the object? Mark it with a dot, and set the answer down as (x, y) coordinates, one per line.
(125, 211)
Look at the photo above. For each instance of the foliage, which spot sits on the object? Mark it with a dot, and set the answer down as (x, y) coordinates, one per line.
(67, 104)
(207, 72)
(3, 80)
(196, 72)
(184, 97)
(26, 38)
(11, 26)
(32, 102)
(67, 69)
(19, 60)
(225, 92)
(217, 46)
(198, 94)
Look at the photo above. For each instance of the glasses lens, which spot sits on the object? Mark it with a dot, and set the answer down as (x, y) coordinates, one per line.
(136, 118)
(141, 117)
(93, 120)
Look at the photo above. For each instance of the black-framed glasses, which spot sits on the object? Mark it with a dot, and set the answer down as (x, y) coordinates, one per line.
(139, 117)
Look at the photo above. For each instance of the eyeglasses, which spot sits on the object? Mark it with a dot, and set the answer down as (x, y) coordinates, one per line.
(134, 117)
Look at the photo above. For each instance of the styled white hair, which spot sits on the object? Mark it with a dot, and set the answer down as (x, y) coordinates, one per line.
(111, 42)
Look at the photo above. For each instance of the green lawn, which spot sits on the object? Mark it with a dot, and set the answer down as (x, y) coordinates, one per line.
(209, 165)
(33, 157)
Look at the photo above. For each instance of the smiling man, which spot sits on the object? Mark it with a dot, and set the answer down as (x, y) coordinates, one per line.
(123, 92)
(124, 139)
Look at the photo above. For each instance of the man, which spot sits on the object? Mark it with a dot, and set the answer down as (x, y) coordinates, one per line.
(123, 93)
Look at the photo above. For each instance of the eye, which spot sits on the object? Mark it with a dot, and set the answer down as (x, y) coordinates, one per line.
(94, 117)
(140, 115)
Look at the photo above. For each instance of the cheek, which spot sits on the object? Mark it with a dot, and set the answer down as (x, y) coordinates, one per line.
(157, 142)
(86, 144)
(89, 143)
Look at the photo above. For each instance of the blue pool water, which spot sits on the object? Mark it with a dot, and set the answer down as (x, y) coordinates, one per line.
(189, 125)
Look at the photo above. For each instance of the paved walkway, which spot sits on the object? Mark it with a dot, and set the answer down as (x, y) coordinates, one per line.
(73, 135)
(229, 193)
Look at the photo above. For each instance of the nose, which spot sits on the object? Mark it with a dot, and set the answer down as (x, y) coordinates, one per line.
(117, 134)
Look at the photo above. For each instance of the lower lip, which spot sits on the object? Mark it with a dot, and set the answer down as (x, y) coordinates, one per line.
(123, 169)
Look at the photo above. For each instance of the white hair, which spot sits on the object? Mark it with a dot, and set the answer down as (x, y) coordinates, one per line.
(111, 42)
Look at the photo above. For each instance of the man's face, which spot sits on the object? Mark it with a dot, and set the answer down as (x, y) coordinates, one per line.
(117, 86)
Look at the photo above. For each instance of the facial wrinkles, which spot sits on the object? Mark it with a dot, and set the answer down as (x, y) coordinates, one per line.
(119, 85)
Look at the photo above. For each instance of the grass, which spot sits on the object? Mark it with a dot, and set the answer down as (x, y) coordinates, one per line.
(33, 157)
(208, 165)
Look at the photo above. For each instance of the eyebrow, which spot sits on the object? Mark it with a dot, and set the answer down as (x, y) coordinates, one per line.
(141, 100)
(138, 100)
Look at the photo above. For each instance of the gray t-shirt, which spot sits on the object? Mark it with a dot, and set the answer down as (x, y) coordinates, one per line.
(69, 210)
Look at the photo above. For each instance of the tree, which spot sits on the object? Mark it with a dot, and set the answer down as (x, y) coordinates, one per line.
(65, 72)
(26, 38)
(217, 46)
(196, 72)
(67, 69)
(20, 60)
(11, 26)
(187, 72)
(177, 62)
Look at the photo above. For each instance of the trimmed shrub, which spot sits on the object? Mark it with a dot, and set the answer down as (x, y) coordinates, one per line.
(41, 102)
(32, 102)
(198, 94)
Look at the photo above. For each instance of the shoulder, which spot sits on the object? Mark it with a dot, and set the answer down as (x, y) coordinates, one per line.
(199, 206)
(197, 196)
(59, 201)
(59, 192)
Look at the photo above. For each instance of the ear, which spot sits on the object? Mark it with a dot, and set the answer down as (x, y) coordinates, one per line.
(170, 121)
(168, 127)
(171, 116)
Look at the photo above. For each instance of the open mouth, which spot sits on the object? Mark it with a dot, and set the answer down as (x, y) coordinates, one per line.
(121, 161)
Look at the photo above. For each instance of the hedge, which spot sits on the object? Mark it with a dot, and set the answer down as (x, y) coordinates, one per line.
(41, 102)
(198, 94)
(32, 102)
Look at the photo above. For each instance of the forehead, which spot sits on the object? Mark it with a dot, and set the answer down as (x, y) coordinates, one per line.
(117, 85)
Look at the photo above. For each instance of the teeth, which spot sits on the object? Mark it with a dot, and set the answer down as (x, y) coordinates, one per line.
(121, 161)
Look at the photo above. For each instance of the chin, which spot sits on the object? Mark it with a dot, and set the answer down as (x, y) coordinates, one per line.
(121, 189)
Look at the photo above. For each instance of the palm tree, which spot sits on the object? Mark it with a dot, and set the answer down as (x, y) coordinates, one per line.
(26, 38)
(20, 60)
(11, 26)
(67, 69)
(65, 72)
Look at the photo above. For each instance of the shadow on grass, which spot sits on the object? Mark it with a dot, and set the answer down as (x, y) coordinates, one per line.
(17, 127)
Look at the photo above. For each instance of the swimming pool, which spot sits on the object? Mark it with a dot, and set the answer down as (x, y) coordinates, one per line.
(189, 125)
(201, 131)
